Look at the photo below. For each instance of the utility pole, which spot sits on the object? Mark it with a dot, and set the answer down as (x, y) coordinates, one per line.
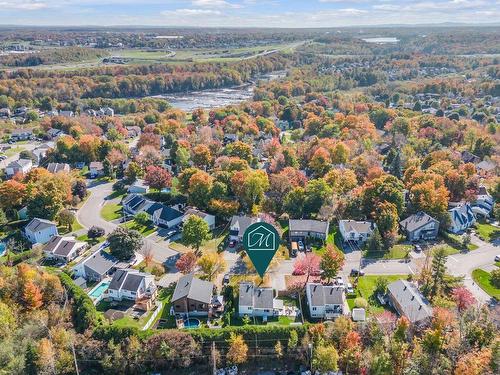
(311, 357)
(214, 365)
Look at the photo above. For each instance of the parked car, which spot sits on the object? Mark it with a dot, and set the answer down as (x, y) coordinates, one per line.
(356, 272)
(417, 248)
(232, 243)
(339, 280)
(170, 233)
(301, 246)
(225, 279)
(349, 289)
(497, 258)
(294, 248)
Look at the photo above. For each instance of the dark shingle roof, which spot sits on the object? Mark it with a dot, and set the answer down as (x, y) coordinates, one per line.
(259, 298)
(169, 213)
(100, 262)
(412, 304)
(193, 288)
(127, 279)
(39, 224)
(62, 246)
(308, 226)
(322, 295)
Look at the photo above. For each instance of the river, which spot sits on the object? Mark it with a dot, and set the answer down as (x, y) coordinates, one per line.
(216, 98)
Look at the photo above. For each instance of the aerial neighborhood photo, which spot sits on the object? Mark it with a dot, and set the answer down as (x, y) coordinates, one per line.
(250, 187)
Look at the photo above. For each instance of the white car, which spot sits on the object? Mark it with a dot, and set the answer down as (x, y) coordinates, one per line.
(349, 289)
(339, 280)
(497, 258)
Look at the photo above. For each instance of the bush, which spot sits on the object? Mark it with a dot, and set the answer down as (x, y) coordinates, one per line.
(166, 198)
(361, 303)
(110, 332)
(119, 186)
(16, 258)
(84, 313)
(495, 278)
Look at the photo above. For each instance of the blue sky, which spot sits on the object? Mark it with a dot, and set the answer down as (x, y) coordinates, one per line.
(258, 13)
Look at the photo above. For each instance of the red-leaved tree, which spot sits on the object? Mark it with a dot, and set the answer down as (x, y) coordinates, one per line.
(463, 298)
(186, 263)
(157, 177)
(307, 265)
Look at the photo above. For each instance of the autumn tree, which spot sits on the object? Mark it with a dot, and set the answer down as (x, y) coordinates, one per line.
(238, 349)
(32, 296)
(331, 263)
(202, 157)
(157, 177)
(12, 194)
(211, 264)
(325, 358)
(200, 189)
(308, 265)
(124, 243)
(195, 232)
(186, 262)
(463, 298)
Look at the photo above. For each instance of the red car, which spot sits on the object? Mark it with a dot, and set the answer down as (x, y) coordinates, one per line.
(232, 243)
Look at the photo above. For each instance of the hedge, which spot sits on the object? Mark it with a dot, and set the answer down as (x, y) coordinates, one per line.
(166, 198)
(110, 332)
(16, 258)
(84, 313)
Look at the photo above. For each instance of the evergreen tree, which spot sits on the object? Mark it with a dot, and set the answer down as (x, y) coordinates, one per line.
(438, 271)
(375, 243)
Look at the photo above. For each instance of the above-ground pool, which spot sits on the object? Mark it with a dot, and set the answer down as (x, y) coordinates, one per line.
(191, 323)
(98, 291)
(2, 249)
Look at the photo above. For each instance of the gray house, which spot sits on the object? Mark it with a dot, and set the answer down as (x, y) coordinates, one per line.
(96, 266)
(239, 225)
(408, 301)
(420, 226)
(257, 301)
(301, 229)
(192, 296)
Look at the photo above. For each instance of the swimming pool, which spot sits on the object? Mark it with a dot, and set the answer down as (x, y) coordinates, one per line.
(191, 323)
(99, 290)
(2, 249)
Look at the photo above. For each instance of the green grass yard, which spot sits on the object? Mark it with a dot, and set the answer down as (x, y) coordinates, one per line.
(487, 232)
(396, 252)
(483, 279)
(366, 289)
(142, 229)
(111, 211)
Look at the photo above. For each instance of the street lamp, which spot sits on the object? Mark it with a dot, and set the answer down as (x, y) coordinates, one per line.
(311, 356)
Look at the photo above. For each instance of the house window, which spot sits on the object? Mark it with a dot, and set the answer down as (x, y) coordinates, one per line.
(314, 308)
(177, 306)
(133, 293)
(266, 310)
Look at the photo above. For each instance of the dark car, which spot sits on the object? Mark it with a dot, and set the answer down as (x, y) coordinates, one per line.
(356, 272)
(232, 243)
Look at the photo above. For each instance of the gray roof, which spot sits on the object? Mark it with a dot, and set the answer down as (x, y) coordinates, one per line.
(96, 165)
(357, 226)
(486, 165)
(259, 298)
(193, 288)
(20, 163)
(322, 295)
(308, 226)
(62, 246)
(412, 304)
(57, 167)
(100, 262)
(243, 222)
(39, 224)
(127, 279)
(416, 221)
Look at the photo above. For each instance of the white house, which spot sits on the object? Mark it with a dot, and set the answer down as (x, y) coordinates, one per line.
(209, 219)
(420, 226)
(356, 231)
(255, 301)
(63, 248)
(96, 169)
(326, 301)
(133, 285)
(484, 203)
(239, 225)
(19, 166)
(462, 217)
(96, 266)
(40, 230)
(138, 187)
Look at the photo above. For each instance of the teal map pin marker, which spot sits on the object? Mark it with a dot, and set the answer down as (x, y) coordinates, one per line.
(261, 241)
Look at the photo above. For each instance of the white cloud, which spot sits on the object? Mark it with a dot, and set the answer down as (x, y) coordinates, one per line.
(191, 12)
(214, 4)
(23, 5)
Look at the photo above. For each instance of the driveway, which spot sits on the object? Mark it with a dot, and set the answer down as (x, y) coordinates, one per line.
(89, 215)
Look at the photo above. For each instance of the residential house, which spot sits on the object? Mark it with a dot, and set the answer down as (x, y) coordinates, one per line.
(53, 133)
(38, 154)
(40, 230)
(138, 187)
(133, 131)
(409, 302)
(58, 167)
(420, 226)
(21, 134)
(133, 285)
(193, 296)
(63, 248)
(302, 229)
(66, 113)
(239, 225)
(209, 219)
(469, 157)
(356, 231)
(5, 113)
(106, 111)
(486, 167)
(462, 217)
(164, 216)
(258, 302)
(18, 166)
(134, 203)
(96, 266)
(326, 301)
(96, 169)
(484, 203)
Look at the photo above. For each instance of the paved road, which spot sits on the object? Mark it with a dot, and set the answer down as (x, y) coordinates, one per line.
(89, 215)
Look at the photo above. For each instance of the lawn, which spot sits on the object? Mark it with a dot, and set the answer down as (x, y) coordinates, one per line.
(145, 230)
(111, 211)
(366, 289)
(483, 279)
(333, 238)
(487, 232)
(449, 249)
(211, 245)
(153, 267)
(396, 252)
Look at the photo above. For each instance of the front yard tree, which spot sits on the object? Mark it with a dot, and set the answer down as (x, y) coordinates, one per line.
(325, 359)
(331, 263)
(238, 349)
(211, 264)
(66, 217)
(375, 243)
(195, 232)
(186, 262)
(123, 243)
(438, 271)
(157, 177)
(142, 218)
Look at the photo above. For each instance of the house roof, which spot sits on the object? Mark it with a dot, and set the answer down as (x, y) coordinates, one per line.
(62, 246)
(57, 167)
(463, 214)
(39, 224)
(96, 165)
(416, 221)
(411, 302)
(194, 211)
(22, 131)
(127, 279)
(486, 165)
(242, 223)
(193, 288)
(20, 163)
(322, 295)
(259, 298)
(357, 226)
(308, 226)
(168, 213)
(100, 262)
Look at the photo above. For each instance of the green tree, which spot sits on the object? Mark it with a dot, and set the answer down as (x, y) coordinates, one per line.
(325, 358)
(142, 218)
(293, 203)
(438, 271)
(67, 218)
(317, 193)
(195, 232)
(375, 242)
(495, 278)
(331, 263)
(123, 243)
